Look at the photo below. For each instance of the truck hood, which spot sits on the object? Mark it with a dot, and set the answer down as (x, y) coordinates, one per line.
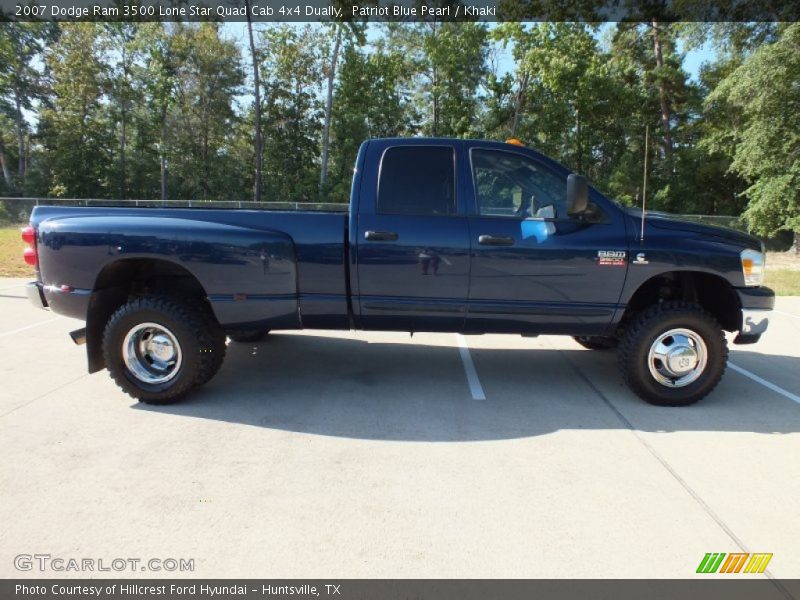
(663, 220)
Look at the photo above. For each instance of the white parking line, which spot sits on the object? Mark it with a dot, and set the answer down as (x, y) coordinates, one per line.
(12, 287)
(13, 331)
(765, 383)
(475, 387)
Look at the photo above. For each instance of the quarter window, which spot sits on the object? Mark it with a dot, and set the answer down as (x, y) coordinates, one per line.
(417, 180)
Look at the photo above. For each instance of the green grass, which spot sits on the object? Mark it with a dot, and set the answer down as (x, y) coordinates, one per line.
(785, 282)
(11, 247)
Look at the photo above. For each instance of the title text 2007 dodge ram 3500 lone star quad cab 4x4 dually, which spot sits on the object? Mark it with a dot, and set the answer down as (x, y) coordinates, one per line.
(442, 235)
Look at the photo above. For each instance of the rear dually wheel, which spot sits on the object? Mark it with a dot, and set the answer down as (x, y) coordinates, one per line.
(158, 348)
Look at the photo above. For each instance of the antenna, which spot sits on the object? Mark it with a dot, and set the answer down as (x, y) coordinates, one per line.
(644, 184)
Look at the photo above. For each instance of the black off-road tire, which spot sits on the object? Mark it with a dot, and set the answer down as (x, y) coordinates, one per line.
(596, 342)
(201, 339)
(642, 333)
(248, 336)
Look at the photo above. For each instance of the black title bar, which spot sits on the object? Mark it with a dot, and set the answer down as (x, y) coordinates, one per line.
(727, 588)
(400, 10)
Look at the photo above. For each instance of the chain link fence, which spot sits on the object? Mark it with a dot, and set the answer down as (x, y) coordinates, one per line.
(18, 210)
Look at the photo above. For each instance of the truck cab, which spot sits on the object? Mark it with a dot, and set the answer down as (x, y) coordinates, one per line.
(452, 235)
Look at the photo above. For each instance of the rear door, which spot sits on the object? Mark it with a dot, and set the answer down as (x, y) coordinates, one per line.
(534, 267)
(412, 242)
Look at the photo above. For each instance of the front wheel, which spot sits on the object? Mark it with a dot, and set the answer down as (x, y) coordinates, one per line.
(158, 348)
(673, 354)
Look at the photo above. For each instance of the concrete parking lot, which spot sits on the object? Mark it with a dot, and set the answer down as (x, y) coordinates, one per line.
(329, 454)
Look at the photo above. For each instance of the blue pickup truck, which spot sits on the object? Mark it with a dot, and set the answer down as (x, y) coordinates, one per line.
(442, 235)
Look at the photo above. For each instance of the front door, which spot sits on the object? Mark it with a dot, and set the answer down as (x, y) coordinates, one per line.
(413, 249)
(535, 268)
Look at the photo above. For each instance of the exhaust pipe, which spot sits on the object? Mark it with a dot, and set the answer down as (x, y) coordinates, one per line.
(78, 336)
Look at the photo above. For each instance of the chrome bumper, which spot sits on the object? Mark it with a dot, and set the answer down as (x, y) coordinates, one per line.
(35, 294)
(754, 322)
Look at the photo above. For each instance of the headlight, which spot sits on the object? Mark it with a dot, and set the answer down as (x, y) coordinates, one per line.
(752, 267)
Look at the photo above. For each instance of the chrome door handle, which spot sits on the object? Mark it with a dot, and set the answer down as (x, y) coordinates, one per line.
(380, 236)
(495, 240)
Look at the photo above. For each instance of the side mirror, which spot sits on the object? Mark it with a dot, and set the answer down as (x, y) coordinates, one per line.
(577, 194)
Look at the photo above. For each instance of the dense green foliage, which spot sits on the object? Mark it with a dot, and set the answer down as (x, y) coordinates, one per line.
(764, 93)
(157, 110)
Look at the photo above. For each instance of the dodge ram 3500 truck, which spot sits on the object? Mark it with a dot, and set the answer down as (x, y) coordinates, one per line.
(442, 235)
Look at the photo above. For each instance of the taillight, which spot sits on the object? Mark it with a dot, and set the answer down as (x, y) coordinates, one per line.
(30, 257)
(29, 237)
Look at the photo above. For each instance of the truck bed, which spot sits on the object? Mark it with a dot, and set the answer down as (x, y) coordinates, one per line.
(279, 268)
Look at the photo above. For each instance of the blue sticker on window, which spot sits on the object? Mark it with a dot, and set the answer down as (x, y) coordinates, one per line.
(535, 228)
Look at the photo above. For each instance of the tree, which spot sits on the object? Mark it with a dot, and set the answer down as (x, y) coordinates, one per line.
(21, 85)
(646, 54)
(75, 129)
(159, 109)
(385, 112)
(208, 75)
(4, 163)
(446, 65)
(292, 111)
(717, 188)
(5, 106)
(567, 98)
(257, 141)
(355, 36)
(765, 91)
(562, 70)
(330, 75)
(664, 97)
(159, 94)
(124, 90)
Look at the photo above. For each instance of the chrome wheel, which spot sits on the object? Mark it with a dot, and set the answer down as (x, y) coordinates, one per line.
(152, 353)
(677, 358)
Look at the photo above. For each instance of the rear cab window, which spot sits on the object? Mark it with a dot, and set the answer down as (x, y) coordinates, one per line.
(417, 180)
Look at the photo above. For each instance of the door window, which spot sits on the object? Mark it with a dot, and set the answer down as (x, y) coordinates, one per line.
(417, 180)
(511, 185)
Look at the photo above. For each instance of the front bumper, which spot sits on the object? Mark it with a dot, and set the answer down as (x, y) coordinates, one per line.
(756, 305)
(36, 294)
